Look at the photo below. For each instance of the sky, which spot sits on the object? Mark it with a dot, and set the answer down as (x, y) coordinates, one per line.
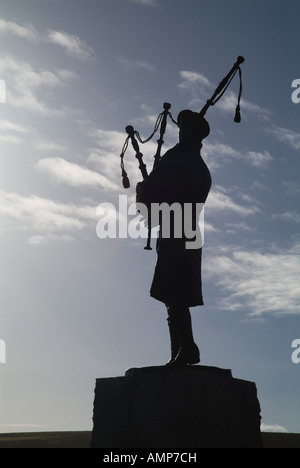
(75, 307)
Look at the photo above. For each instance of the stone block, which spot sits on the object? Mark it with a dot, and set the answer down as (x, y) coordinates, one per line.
(198, 407)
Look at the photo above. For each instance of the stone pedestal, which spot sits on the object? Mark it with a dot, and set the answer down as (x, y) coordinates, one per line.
(198, 407)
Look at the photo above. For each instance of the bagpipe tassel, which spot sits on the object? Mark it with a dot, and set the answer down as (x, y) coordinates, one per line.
(125, 180)
(237, 117)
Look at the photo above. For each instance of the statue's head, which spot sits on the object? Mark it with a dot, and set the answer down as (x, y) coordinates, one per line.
(192, 126)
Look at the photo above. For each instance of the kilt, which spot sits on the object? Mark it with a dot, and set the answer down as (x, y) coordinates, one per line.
(181, 177)
(177, 273)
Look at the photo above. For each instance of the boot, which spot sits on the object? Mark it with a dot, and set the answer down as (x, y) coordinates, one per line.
(175, 344)
(180, 318)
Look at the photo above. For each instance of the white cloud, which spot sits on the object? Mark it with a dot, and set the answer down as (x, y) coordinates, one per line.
(26, 31)
(288, 216)
(26, 85)
(49, 146)
(291, 187)
(191, 78)
(133, 65)
(73, 45)
(258, 283)
(238, 227)
(285, 135)
(217, 149)
(220, 200)
(221, 153)
(22, 426)
(63, 171)
(11, 139)
(41, 239)
(11, 126)
(272, 428)
(258, 158)
(105, 156)
(105, 153)
(146, 2)
(39, 213)
(229, 101)
(201, 88)
(11, 132)
(195, 84)
(48, 219)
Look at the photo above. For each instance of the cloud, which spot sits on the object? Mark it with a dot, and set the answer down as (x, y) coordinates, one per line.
(23, 426)
(63, 171)
(258, 158)
(201, 88)
(105, 155)
(291, 188)
(25, 32)
(41, 239)
(260, 284)
(11, 126)
(48, 219)
(49, 146)
(146, 2)
(229, 101)
(26, 84)
(285, 135)
(15, 140)
(192, 79)
(134, 65)
(272, 428)
(72, 44)
(220, 200)
(288, 216)
(225, 153)
(195, 84)
(238, 227)
(12, 132)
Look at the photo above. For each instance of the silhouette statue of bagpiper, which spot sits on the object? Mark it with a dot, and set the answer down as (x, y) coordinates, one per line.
(180, 176)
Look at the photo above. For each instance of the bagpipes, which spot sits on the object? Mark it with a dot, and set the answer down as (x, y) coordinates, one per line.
(161, 123)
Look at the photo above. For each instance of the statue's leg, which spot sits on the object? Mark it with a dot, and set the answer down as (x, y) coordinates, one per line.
(175, 343)
(180, 320)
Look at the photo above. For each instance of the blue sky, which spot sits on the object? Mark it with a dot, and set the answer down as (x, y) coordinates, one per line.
(75, 307)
